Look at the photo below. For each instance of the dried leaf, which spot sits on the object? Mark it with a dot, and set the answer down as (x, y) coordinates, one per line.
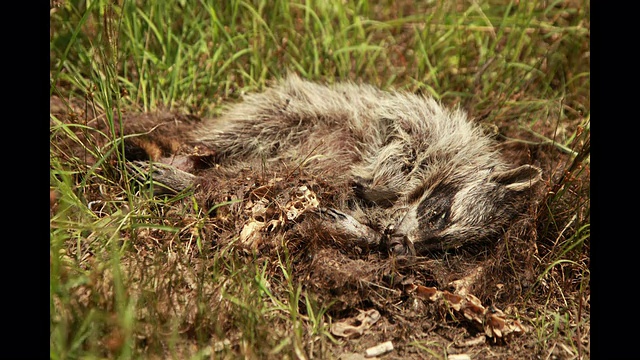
(494, 321)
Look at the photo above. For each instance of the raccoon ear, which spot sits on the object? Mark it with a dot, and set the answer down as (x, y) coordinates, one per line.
(518, 179)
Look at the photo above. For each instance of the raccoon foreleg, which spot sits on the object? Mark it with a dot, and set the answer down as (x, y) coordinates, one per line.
(166, 179)
(347, 227)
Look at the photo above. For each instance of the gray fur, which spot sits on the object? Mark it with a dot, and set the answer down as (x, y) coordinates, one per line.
(427, 175)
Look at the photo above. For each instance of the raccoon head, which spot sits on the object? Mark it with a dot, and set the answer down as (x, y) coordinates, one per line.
(454, 213)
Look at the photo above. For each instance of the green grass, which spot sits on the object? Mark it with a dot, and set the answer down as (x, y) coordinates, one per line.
(120, 289)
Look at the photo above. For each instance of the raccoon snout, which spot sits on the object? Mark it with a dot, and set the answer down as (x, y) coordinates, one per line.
(408, 224)
(399, 244)
(400, 237)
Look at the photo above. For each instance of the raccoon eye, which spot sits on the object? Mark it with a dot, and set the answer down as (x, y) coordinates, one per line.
(435, 209)
(438, 218)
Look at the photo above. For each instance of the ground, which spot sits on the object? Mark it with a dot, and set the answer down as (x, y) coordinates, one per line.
(483, 301)
(236, 268)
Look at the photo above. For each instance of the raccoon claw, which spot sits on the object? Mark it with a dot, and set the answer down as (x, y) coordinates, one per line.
(347, 225)
(165, 178)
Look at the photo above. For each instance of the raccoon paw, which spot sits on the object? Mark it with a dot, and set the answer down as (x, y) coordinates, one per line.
(165, 178)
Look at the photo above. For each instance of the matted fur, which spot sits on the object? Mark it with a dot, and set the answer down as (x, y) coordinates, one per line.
(437, 178)
(420, 176)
